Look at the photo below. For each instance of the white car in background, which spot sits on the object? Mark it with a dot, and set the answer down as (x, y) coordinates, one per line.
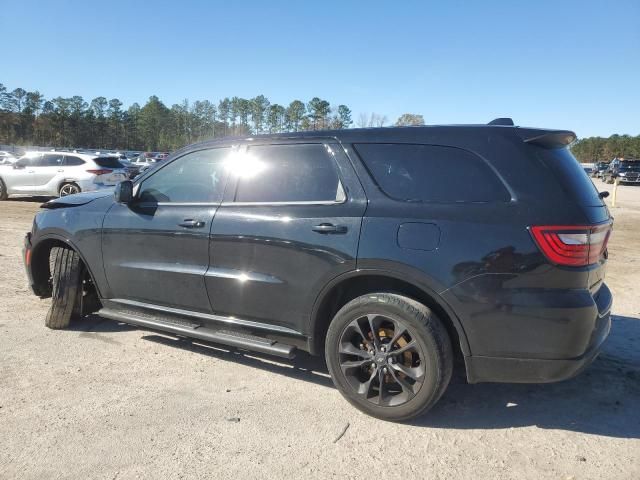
(59, 174)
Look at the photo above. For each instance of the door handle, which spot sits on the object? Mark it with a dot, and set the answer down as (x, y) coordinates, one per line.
(61, 169)
(329, 228)
(190, 223)
(31, 171)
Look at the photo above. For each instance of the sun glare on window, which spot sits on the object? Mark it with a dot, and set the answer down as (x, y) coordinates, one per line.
(244, 165)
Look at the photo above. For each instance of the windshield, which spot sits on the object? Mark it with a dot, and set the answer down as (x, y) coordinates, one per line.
(630, 166)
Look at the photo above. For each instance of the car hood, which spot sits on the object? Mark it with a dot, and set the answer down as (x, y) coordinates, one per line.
(77, 199)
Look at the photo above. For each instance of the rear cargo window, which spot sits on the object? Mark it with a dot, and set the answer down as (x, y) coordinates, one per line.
(108, 162)
(428, 173)
(573, 179)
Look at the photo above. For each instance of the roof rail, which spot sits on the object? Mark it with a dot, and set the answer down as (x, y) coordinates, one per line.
(502, 121)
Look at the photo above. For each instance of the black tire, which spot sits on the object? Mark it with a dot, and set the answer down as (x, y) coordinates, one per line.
(3, 191)
(432, 356)
(66, 273)
(68, 188)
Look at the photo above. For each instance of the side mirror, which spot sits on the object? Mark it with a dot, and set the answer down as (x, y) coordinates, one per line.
(17, 166)
(123, 192)
(603, 194)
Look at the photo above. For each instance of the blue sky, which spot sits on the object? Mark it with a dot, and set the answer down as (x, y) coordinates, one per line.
(564, 64)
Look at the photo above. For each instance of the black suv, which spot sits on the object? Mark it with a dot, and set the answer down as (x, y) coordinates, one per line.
(395, 251)
(599, 168)
(626, 171)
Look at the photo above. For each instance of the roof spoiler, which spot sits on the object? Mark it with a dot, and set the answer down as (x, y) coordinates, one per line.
(506, 121)
(547, 138)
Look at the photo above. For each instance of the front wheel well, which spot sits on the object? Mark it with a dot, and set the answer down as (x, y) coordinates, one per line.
(351, 288)
(41, 267)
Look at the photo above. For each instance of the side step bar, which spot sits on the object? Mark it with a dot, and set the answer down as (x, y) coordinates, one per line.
(187, 329)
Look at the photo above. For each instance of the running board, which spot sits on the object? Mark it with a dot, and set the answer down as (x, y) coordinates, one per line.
(193, 330)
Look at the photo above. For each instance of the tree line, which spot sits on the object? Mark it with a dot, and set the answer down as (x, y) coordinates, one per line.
(28, 118)
(600, 149)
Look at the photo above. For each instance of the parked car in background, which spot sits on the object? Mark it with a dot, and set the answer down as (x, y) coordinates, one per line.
(625, 171)
(598, 169)
(147, 160)
(393, 251)
(132, 170)
(59, 174)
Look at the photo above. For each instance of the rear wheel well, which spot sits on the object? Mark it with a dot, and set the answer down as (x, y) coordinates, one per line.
(351, 288)
(68, 182)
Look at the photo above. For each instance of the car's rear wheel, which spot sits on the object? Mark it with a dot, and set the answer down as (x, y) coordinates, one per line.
(68, 189)
(389, 355)
(3, 191)
(66, 276)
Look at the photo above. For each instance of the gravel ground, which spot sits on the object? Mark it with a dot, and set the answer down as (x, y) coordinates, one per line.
(105, 400)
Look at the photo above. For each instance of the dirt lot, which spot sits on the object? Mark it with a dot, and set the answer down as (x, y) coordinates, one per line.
(106, 400)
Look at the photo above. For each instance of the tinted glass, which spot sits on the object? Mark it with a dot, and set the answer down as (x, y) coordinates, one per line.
(48, 160)
(73, 161)
(630, 166)
(426, 173)
(572, 177)
(25, 162)
(290, 173)
(197, 177)
(108, 162)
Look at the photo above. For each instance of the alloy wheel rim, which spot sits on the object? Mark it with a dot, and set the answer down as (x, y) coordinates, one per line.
(68, 190)
(381, 360)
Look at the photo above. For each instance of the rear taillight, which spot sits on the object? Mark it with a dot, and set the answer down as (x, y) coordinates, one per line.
(102, 171)
(572, 245)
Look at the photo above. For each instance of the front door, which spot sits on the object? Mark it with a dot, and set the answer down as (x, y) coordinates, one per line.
(156, 250)
(20, 180)
(290, 223)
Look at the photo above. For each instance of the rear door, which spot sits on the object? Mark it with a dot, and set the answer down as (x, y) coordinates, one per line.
(156, 249)
(288, 226)
(46, 168)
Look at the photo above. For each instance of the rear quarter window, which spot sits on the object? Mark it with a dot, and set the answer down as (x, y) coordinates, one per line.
(429, 173)
(72, 161)
(572, 177)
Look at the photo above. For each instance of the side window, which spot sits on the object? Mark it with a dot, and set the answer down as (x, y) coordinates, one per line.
(290, 173)
(48, 160)
(25, 162)
(428, 173)
(197, 177)
(71, 161)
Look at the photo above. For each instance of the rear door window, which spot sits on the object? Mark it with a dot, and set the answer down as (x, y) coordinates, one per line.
(49, 160)
(429, 173)
(288, 174)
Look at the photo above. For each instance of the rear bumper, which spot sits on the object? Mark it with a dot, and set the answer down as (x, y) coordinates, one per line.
(543, 370)
(90, 186)
(531, 370)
